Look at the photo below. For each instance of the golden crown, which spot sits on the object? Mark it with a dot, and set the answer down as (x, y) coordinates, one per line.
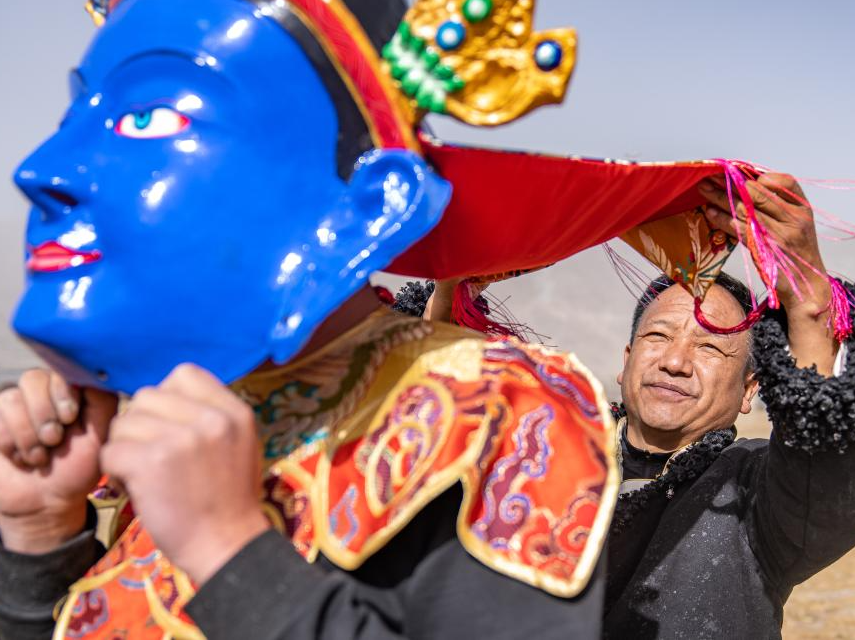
(479, 60)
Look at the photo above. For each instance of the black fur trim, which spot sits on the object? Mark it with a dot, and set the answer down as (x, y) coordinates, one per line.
(809, 411)
(413, 298)
(686, 466)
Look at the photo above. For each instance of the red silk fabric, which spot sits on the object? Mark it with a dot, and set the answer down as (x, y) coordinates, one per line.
(513, 211)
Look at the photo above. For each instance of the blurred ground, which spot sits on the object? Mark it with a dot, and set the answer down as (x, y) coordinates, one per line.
(823, 608)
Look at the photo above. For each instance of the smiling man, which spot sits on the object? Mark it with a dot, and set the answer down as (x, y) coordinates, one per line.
(711, 534)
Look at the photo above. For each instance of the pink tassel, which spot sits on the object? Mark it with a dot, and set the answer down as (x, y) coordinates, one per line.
(841, 308)
(466, 313)
(762, 246)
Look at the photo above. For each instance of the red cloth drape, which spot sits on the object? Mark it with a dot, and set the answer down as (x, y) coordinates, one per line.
(513, 211)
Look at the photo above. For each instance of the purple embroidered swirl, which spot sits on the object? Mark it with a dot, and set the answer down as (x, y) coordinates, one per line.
(506, 511)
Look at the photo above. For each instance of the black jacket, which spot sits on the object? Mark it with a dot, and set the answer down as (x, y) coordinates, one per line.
(422, 585)
(720, 558)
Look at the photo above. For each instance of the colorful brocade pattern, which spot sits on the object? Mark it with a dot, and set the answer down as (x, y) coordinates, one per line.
(363, 434)
(685, 248)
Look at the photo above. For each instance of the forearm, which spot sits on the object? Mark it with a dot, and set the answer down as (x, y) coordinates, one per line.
(810, 333)
(268, 591)
(805, 505)
(810, 410)
(32, 585)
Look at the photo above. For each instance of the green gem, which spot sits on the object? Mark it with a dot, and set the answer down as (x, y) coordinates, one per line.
(405, 31)
(412, 81)
(430, 58)
(444, 72)
(455, 84)
(477, 10)
(417, 44)
(399, 70)
(438, 102)
(424, 97)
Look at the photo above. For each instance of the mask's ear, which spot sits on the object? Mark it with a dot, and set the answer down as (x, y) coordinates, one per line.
(393, 200)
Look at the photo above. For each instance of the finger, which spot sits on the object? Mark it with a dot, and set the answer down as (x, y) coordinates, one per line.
(65, 397)
(197, 384)
(785, 186)
(181, 410)
(719, 198)
(140, 427)
(722, 221)
(98, 410)
(7, 442)
(35, 387)
(119, 459)
(152, 444)
(719, 179)
(765, 202)
(13, 410)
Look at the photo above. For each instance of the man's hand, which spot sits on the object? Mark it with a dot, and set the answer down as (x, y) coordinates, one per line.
(50, 436)
(782, 208)
(188, 455)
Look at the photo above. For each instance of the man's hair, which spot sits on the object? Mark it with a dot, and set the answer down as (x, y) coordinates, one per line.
(734, 287)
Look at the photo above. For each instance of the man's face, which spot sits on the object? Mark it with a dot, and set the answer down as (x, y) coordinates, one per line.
(679, 378)
(189, 207)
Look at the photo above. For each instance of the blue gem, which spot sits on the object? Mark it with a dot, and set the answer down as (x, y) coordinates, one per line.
(101, 7)
(450, 35)
(548, 55)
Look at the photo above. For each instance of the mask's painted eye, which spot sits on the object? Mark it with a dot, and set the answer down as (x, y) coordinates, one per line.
(160, 122)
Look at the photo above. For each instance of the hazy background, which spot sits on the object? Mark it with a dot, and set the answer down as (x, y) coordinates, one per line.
(773, 82)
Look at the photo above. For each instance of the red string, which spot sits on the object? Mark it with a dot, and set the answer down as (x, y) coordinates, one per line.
(384, 295)
(466, 313)
(750, 320)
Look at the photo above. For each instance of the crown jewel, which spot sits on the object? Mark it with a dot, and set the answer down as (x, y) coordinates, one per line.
(479, 60)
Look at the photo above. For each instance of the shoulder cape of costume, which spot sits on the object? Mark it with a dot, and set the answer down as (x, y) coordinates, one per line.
(361, 436)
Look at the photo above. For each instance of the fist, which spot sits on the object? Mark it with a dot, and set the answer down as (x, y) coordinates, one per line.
(188, 456)
(50, 437)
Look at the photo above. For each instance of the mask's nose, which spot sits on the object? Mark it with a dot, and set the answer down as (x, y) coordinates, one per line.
(54, 191)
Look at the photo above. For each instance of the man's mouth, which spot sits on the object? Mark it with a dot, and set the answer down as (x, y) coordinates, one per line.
(667, 389)
(51, 256)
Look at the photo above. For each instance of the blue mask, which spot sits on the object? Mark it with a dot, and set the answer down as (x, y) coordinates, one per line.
(189, 209)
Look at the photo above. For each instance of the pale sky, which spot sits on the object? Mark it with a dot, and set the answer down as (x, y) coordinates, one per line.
(772, 82)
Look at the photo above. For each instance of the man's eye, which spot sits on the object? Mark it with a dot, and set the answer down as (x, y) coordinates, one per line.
(711, 347)
(160, 122)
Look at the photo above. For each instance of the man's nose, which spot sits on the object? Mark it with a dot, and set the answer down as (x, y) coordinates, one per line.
(676, 360)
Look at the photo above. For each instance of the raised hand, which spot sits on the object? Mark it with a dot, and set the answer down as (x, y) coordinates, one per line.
(188, 455)
(50, 437)
(782, 208)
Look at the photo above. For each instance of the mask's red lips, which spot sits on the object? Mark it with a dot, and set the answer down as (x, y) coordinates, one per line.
(51, 256)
